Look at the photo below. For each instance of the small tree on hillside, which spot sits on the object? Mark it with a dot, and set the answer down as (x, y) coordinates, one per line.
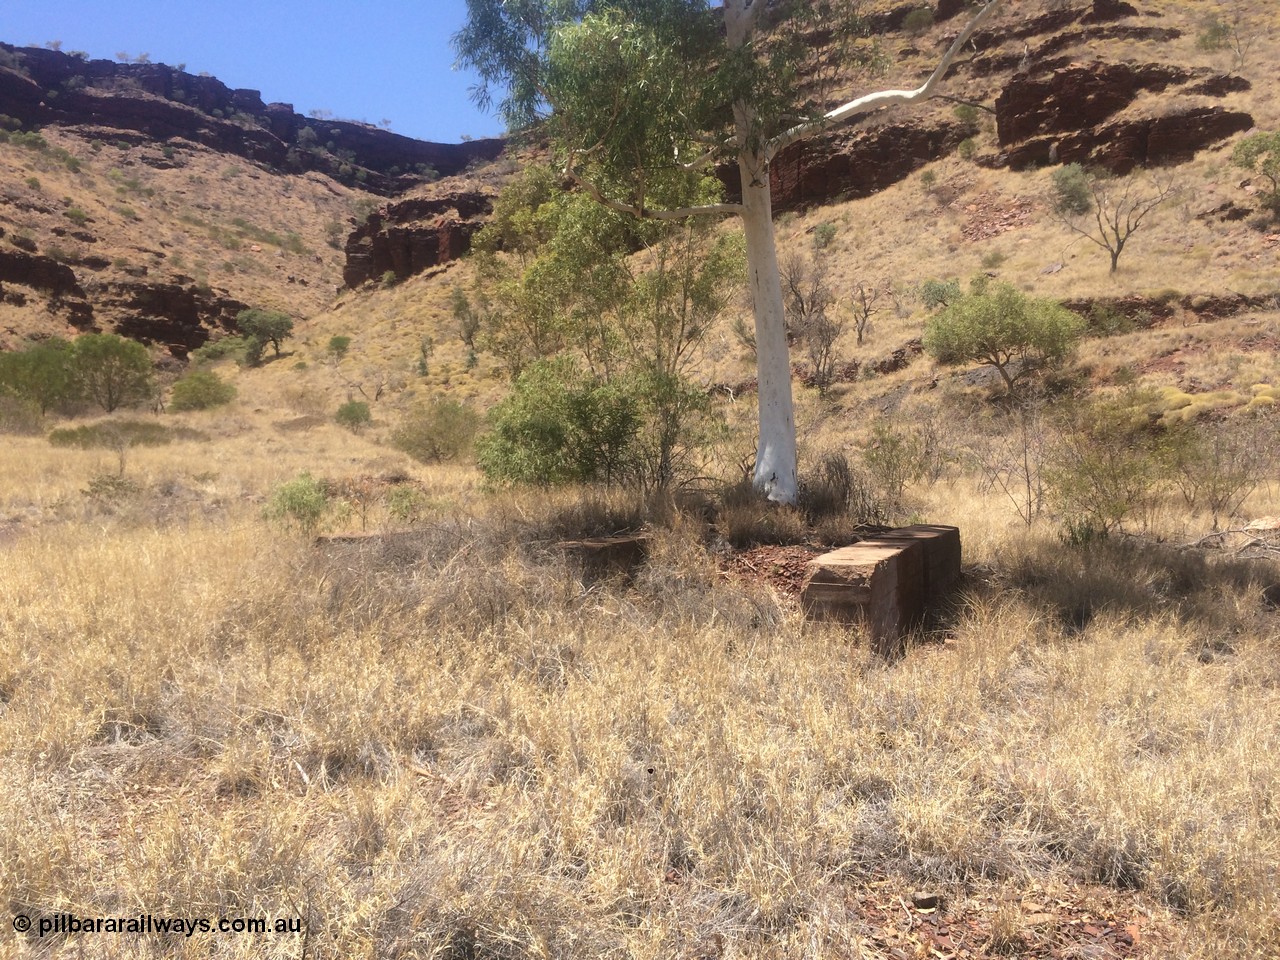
(266, 326)
(1001, 326)
(112, 371)
(1260, 154)
(1117, 208)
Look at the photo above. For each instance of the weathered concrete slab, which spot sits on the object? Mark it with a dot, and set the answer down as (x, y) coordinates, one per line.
(880, 583)
(941, 555)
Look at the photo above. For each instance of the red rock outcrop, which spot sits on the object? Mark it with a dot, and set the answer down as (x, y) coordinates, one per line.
(413, 235)
(1070, 116)
(157, 102)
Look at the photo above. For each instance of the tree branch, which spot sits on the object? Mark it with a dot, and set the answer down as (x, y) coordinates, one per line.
(871, 101)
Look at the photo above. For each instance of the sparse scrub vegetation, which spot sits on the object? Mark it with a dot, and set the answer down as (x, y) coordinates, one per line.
(201, 390)
(287, 666)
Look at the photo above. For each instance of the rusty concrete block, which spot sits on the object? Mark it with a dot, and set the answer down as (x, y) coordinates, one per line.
(941, 556)
(877, 582)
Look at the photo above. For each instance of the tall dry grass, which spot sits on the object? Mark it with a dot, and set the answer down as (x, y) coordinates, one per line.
(452, 743)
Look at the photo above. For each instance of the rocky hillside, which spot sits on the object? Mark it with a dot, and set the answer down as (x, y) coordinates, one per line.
(159, 203)
(144, 199)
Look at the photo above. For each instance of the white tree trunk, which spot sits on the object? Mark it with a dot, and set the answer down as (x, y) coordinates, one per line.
(775, 473)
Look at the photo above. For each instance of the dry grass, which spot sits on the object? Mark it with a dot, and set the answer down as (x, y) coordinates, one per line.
(452, 744)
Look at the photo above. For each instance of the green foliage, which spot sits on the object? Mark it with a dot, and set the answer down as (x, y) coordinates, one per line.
(1071, 194)
(967, 149)
(42, 374)
(1000, 325)
(940, 293)
(338, 346)
(1215, 34)
(224, 348)
(406, 503)
(200, 390)
(76, 216)
(918, 21)
(354, 415)
(301, 503)
(967, 114)
(1260, 153)
(265, 326)
(20, 417)
(1217, 466)
(559, 425)
(928, 179)
(1105, 465)
(823, 234)
(440, 430)
(112, 371)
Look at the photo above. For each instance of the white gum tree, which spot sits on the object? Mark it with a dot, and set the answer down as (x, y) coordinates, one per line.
(642, 97)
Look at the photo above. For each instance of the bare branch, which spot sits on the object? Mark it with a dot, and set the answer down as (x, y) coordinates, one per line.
(872, 101)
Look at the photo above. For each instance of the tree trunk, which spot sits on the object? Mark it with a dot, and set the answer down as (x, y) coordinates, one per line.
(775, 473)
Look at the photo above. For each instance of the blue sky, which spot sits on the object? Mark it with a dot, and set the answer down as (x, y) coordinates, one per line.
(386, 59)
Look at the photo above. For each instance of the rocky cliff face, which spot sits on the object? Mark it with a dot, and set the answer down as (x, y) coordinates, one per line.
(414, 235)
(153, 101)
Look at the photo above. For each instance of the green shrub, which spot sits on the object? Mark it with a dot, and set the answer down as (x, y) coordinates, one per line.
(265, 326)
(918, 21)
(201, 390)
(967, 149)
(76, 216)
(968, 115)
(440, 430)
(823, 234)
(300, 503)
(1071, 193)
(338, 346)
(225, 348)
(1002, 326)
(940, 293)
(354, 415)
(1214, 33)
(20, 417)
(1260, 153)
(406, 504)
(560, 426)
(1105, 465)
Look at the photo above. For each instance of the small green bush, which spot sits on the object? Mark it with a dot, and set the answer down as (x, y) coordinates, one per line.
(967, 149)
(560, 426)
(918, 21)
(338, 346)
(1071, 194)
(440, 430)
(201, 390)
(823, 234)
(300, 503)
(1105, 466)
(940, 293)
(225, 348)
(354, 415)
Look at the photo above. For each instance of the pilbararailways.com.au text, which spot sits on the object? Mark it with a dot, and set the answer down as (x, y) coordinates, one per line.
(68, 923)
